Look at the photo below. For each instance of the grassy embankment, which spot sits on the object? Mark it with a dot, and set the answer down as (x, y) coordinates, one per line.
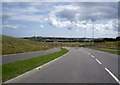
(69, 44)
(114, 51)
(111, 47)
(11, 45)
(14, 69)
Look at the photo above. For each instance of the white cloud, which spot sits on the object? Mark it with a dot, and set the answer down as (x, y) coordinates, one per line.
(34, 18)
(77, 30)
(110, 25)
(42, 26)
(28, 13)
(59, 24)
(79, 17)
(11, 26)
(65, 7)
(72, 16)
(28, 10)
(60, 0)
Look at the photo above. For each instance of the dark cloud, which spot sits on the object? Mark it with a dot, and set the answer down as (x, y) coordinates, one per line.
(68, 14)
(91, 10)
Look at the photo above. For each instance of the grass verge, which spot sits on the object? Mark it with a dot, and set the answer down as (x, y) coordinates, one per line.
(114, 51)
(12, 45)
(14, 69)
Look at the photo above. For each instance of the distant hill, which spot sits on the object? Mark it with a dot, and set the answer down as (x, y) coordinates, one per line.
(11, 45)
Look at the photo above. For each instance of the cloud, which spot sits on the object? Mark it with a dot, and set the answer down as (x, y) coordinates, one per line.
(66, 11)
(13, 26)
(87, 11)
(42, 26)
(34, 18)
(60, 1)
(65, 15)
(110, 25)
(78, 14)
(25, 11)
(55, 22)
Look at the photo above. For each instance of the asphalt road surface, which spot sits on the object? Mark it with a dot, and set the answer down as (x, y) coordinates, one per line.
(80, 65)
(22, 56)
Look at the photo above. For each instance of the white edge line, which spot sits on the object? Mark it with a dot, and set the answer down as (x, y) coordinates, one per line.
(51, 61)
(35, 69)
(98, 61)
(18, 76)
(112, 75)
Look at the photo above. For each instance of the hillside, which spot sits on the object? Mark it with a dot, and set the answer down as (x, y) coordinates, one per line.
(12, 45)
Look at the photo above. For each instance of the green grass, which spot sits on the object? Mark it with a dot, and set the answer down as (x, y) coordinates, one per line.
(0, 73)
(108, 50)
(11, 45)
(14, 69)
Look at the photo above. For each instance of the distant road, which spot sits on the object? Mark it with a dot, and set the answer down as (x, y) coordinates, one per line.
(22, 56)
(80, 65)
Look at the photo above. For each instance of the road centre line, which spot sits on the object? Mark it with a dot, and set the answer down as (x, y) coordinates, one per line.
(89, 53)
(92, 56)
(112, 75)
(98, 61)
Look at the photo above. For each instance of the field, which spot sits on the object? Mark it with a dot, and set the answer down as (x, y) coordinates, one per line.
(11, 70)
(11, 45)
(111, 45)
(115, 51)
(68, 44)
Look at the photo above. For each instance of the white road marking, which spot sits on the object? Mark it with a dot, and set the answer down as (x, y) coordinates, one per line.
(37, 68)
(92, 56)
(89, 53)
(98, 61)
(116, 79)
(112, 75)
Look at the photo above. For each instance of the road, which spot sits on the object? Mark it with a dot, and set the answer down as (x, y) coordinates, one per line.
(22, 56)
(80, 65)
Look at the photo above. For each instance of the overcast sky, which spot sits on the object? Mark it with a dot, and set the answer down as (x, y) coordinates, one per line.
(60, 19)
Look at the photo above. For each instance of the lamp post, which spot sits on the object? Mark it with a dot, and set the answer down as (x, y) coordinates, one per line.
(93, 33)
(84, 34)
(77, 44)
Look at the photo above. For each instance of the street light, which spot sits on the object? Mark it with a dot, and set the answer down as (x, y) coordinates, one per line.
(93, 33)
(77, 40)
(84, 33)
